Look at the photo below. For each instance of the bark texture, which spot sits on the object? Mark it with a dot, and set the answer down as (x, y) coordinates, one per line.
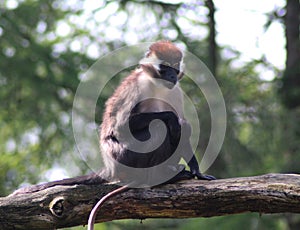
(69, 205)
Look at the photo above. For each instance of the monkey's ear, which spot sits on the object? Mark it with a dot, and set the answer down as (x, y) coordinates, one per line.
(181, 74)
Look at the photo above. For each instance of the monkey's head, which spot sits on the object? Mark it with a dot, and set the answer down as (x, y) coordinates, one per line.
(164, 61)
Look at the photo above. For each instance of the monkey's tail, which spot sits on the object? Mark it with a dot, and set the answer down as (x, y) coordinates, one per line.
(96, 208)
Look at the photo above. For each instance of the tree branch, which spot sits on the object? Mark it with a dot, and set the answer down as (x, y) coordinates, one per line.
(69, 205)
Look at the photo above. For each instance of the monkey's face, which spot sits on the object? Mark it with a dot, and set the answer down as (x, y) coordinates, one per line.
(161, 75)
(163, 62)
(168, 75)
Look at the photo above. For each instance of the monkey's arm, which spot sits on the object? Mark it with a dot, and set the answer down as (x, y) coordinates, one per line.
(193, 163)
(188, 151)
(194, 167)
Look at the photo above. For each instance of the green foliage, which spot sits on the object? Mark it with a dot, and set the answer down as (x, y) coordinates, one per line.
(254, 136)
(37, 85)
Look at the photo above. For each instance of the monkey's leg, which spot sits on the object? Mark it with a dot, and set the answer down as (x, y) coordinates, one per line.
(142, 120)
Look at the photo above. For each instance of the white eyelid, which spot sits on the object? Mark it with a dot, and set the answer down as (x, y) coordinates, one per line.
(153, 60)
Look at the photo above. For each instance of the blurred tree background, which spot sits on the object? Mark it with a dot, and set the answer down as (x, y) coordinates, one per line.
(46, 46)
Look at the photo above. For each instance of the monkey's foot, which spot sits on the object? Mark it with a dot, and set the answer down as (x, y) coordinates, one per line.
(201, 176)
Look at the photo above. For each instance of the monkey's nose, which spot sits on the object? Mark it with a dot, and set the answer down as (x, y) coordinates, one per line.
(173, 79)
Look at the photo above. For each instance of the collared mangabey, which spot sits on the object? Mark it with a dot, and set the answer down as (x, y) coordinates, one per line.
(149, 93)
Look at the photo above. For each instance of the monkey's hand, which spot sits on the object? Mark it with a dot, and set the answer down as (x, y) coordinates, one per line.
(194, 168)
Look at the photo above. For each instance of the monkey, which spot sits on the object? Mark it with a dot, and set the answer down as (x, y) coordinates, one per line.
(149, 93)
(156, 80)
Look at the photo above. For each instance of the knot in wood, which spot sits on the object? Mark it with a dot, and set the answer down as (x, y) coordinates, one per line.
(57, 206)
